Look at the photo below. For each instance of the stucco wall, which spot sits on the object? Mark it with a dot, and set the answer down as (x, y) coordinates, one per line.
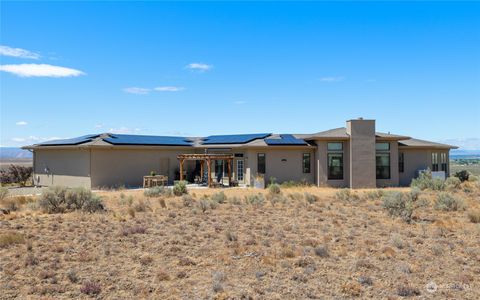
(62, 167)
(282, 164)
(115, 167)
(419, 159)
(362, 153)
(321, 161)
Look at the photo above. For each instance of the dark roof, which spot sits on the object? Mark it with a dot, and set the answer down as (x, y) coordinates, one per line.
(127, 139)
(285, 139)
(424, 144)
(233, 139)
(73, 141)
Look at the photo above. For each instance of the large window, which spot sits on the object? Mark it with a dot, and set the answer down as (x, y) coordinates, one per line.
(434, 162)
(261, 163)
(306, 163)
(443, 161)
(401, 162)
(335, 161)
(382, 160)
(240, 170)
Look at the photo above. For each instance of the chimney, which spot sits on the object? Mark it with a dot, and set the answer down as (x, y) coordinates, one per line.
(362, 153)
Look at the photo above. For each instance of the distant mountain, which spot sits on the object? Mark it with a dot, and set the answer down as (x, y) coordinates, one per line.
(14, 153)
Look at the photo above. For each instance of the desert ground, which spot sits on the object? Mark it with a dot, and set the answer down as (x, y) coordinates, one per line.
(327, 243)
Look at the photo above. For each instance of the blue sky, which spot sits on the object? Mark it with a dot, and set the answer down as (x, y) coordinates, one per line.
(68, 69)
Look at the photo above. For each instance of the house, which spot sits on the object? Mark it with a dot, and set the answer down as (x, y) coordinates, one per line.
(354, 156)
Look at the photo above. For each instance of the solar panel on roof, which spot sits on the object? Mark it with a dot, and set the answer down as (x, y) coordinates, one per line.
(72, 141)
(285, 139)
(233, 139)
(127, 139)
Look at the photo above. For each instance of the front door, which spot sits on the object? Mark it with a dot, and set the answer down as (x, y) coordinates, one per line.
(239, 170)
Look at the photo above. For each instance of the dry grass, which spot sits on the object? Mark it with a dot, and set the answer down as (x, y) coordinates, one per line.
(301, 247)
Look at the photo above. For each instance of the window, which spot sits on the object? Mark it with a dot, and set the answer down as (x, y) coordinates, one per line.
(382, 159)
(240, 170)
(335, 161)
(382, 146)
(238, 154)
(443, 161)
(401, 162)
(219, 167)
(261, 163)
(306, 163)
(434, 162)
(335, 146)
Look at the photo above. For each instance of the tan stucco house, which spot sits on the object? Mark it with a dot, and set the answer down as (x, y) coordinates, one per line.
(354, 156)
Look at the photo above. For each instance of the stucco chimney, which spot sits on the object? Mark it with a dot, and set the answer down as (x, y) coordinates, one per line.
(362, 153)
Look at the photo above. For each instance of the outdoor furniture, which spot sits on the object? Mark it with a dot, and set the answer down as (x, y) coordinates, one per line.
(157, 180)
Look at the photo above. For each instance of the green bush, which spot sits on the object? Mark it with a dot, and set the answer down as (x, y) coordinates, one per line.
(374, 194)
(59, 199)
(399, 204)
(274, 189)
(219, 197)
(346, 195)
(426, 182)
(180, 188)
(255, 199)
(157, 191)
(462, 175)
(449, 202)
(452, 183)
(188, 200)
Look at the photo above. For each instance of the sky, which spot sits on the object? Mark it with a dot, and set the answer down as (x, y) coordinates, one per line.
(194, 69)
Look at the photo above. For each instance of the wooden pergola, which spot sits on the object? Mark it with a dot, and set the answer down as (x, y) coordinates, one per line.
(208, 158)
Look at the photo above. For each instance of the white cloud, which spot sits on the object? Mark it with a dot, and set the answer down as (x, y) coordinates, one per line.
(136, 90)
(40, 70)
(18, 52)
(240, 102)
(17, 139)
(169, 88)
(21, 123)
(124, 130)
(199, 67)
(332, 78)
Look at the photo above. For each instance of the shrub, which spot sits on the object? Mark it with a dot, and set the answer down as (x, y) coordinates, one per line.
(16, 174)
(374, 194)
(8, 239)
(142, 206)
(219, 197)
(448, 202)
(188, 200)
(311, 198)
(346, 195)
(3, 193)
(231, 236)
(399, 204)
(60, 199)
(157, 191)
(407, 291)
(91, 288)
(204, 205)
(462, 175)
(426, 182)
(274, 189)
(474, 216)
(235, 200)
(255, 199)
(180, 188)
(452, 183)
(322, 251)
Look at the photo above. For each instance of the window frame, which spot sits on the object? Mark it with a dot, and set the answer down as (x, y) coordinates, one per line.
(401, 162)
(335, 152)
(307, 167)
(443, 162)
(434, 161)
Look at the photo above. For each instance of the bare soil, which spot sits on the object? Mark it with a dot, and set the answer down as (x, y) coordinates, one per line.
(292, 250)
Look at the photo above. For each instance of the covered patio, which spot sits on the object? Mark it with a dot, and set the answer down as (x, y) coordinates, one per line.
(208, 159)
